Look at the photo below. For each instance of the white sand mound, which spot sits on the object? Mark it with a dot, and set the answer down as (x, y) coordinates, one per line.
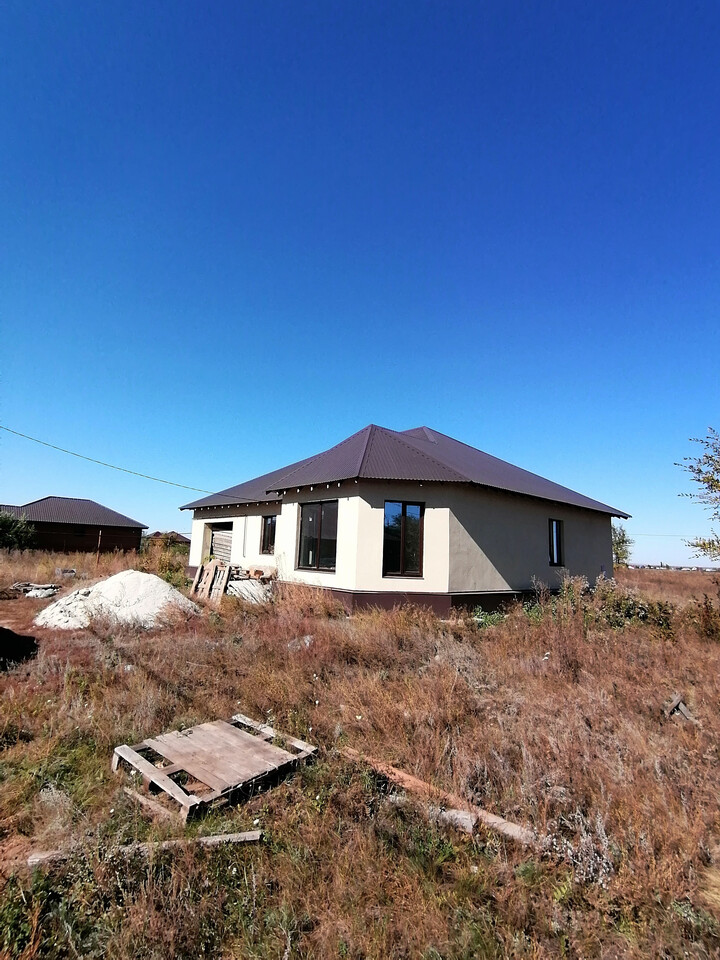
(128, 597)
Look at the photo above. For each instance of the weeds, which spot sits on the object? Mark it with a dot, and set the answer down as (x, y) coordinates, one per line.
(551, 716)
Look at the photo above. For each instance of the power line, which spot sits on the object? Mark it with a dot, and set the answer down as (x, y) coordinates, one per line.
(102, 463)
(677, 536)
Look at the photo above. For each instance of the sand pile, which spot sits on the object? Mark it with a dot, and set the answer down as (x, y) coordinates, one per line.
(131, 597)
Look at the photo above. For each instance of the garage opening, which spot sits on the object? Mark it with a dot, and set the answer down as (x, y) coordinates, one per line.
(221, 541)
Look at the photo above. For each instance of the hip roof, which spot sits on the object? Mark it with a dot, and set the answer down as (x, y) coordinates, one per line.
(421, 454)
(71, 510)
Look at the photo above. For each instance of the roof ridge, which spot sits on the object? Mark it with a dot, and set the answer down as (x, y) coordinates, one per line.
(371, 428)
(281, 481)
(53, 496)
(427, 456)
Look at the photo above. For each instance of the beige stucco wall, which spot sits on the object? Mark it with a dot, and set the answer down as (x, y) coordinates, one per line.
(499, 541)
(246, 522)
(475, 540)
(436, 537)
(246, 534)
(344, 575)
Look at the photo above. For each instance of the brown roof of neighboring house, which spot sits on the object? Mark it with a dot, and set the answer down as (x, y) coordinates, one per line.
(171, 536)
(422, 454)
(71, 510)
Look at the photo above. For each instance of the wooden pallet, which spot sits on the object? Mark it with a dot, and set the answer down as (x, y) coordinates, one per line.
(211, 580)
(212, 763)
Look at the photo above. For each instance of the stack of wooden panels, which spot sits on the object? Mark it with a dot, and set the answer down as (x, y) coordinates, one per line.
(211, 580)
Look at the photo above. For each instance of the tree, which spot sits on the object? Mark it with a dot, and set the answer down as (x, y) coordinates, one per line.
(705, 471)
(15, 532)
(621, 544)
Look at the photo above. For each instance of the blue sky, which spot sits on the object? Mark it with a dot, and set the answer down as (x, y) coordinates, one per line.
(235, 233)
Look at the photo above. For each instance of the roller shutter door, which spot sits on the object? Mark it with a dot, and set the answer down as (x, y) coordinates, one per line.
(221, 544)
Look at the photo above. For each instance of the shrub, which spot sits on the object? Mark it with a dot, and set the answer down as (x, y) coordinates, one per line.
(484, 619)
(16, 533)
(617, 607)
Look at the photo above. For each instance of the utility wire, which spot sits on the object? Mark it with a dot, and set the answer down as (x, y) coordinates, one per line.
(102, 463)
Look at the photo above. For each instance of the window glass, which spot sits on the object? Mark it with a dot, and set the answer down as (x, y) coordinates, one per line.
(267, 544)
(309, 534)
(318, 535)
(412, 538)
(328, 535)
(402, 539)
(393, 533)
(556, 551)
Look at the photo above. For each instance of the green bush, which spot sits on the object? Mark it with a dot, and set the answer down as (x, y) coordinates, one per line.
(15, 532)
(617, 607)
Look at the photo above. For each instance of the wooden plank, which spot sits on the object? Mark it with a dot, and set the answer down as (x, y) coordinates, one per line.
(243, 740)
(190, 758)
(198, 578)
(199, 760)
(152, 805)
(204, 582)
(249, 758)
(54, 856)
(268, 733)
(220, 581)
(238, 767)
(674, 704)
(264, 730)
(406, 780)
(156, 776)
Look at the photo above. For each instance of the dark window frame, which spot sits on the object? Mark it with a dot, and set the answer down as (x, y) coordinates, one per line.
(556, 542)
(404, 504)
(318, 538)
(268, 526)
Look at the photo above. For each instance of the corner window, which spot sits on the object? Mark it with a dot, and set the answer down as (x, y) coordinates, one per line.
(556, 543)
(403, 539)
(267, 538)
(318, 535)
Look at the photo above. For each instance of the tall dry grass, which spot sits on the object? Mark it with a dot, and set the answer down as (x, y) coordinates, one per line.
(676, 586)
(552, 717)
(41, 566)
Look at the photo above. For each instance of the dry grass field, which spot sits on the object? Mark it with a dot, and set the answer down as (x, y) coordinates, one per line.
(551, 717)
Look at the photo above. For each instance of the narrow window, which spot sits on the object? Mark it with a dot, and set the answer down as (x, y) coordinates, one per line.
(267, 540)
(556, 543)
(403, 539)
(318, 535)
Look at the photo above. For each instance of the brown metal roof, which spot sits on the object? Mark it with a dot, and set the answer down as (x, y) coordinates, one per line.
(171, 536)
(421, 454)
(71, 510)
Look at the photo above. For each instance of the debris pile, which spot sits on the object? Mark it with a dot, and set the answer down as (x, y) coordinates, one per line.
(129, 597)
(38, 591)
(215, 578)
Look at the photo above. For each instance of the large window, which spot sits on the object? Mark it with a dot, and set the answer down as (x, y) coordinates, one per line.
(556, 543)
(403, 539)
(318, 535)
(267, 540)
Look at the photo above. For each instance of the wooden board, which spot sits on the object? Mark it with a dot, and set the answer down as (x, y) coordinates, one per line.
(211, 580)
(218, 759)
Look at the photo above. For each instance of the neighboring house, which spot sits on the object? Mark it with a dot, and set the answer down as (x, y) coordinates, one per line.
(167, 539)
(67, 524)
(388, 516)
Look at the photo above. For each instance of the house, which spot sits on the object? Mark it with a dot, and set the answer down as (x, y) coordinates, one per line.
(67, 524)
(390, 516)
(169, 538)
